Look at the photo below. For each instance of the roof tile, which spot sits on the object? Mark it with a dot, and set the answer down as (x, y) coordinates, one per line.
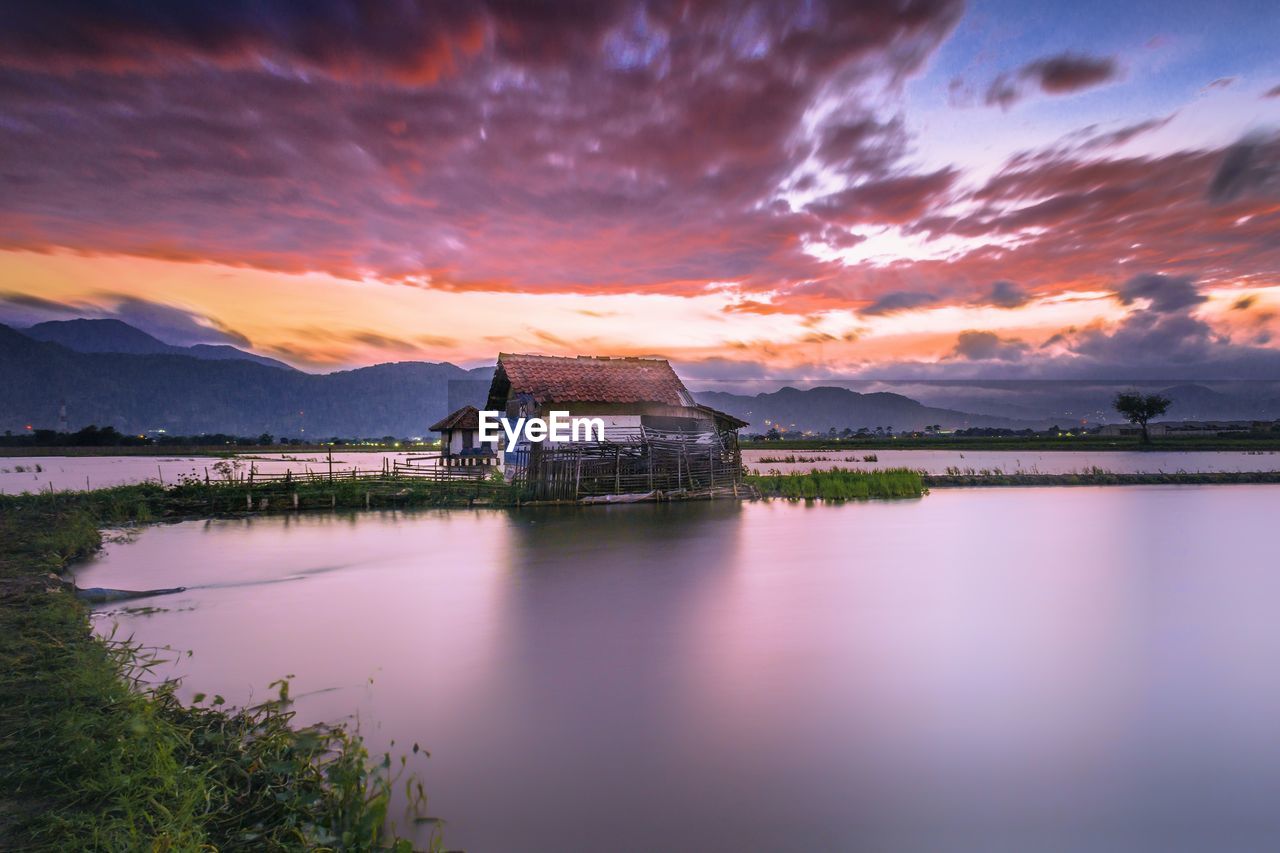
(594, 379)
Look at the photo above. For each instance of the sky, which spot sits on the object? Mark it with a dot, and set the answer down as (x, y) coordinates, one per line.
(908, 189)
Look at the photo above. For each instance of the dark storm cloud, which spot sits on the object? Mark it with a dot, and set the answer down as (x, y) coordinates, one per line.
(1161, 337)
(1052, 75)
(1089, 221)
(896, 199)
(1128, 133)
(502, 146)
(1164, 338)
(987, 346)
(1252, 165)
(899, 300)
(411, 40)
(864, 144)
(1163, 293)
(1004, 294)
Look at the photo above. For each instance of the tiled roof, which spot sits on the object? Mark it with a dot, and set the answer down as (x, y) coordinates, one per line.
(591, 379)
(468, 417)
(733, 421)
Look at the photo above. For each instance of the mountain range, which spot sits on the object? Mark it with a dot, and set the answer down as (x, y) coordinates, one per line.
(109, 373)
(119, 337)
(821, 408)
(185, 393)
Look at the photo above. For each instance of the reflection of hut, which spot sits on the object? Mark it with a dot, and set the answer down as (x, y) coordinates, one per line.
(460, 439)
(656, 436)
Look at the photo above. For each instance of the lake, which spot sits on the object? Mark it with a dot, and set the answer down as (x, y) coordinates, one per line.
(1084, 669)
(39, 473)
(1014, 461)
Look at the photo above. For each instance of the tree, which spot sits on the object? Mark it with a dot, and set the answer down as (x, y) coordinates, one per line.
(1139, 408)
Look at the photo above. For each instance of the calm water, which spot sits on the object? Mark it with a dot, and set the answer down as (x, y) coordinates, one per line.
(38, 473)
(19, 474)
(980, 670)
(1013, 461)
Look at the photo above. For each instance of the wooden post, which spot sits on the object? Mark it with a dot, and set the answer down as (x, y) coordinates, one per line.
(617, 469)
(330, 464)
(295, 500)
(366, 500)
(577, 474)
(248, 501)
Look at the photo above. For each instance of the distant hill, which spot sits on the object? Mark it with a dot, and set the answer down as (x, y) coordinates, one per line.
(821, 408)
(1073, 401)
(185, 394)
(119, 337)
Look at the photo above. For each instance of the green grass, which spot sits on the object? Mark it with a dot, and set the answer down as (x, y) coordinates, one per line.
(1097, 477)
(93, 758)
(840, 484)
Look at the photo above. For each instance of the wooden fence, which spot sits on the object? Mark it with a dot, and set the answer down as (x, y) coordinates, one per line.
(656, 462)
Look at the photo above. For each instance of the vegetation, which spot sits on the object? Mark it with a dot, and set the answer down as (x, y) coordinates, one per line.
(1138, 408)
(840, 484)
(1096, 477)
(93, 758)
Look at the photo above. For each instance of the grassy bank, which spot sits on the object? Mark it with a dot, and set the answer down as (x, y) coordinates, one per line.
(839, 484)
(151, 501)
(1099, 477)
(91, 758)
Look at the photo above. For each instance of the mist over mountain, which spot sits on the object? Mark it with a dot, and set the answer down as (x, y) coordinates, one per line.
(109, 373)
(1075, 401)
(186, 394)
(819, 409)
(116, 336)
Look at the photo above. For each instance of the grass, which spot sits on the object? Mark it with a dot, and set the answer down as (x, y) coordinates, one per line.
(840, 484)
(92, 757)
(1096, 477)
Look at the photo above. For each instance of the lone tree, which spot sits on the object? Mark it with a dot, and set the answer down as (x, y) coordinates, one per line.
(1139, 408)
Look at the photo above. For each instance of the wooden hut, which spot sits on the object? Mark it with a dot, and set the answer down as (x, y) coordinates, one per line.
(657, 439)
(460, 440)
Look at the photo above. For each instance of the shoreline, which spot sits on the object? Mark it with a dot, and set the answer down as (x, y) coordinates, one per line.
(95, 758)
(79, 712)
(1263, 443)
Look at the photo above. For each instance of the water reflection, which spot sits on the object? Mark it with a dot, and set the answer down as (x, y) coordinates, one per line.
(1038, 669)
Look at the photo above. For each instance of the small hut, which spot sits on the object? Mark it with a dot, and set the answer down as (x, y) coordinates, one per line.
(657, 439)
(460, 439)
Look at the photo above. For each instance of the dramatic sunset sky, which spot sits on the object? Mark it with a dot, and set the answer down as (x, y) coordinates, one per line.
(805, 189)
